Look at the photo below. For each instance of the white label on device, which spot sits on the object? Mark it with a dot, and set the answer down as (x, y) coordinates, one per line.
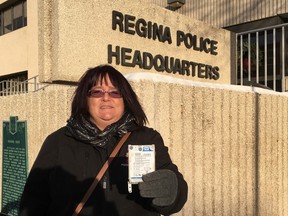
(141, 160)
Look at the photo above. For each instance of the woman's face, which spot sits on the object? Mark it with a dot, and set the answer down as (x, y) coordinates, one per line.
(105, 110)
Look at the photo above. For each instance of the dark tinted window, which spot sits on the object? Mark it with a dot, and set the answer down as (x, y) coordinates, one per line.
(13, 17)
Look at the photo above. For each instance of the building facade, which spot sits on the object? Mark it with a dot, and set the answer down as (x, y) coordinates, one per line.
(36, 42)
(259, 45)
(261, 30)
(230, 142)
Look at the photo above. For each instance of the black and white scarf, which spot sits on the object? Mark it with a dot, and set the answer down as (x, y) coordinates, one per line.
(84, 130)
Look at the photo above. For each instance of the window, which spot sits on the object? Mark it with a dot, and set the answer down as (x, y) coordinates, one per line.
(13, 17)
(25, 13)
(262, 57)
(1, 29)
(7, 18)
(262, 53)
(14, 83)
(18, 20)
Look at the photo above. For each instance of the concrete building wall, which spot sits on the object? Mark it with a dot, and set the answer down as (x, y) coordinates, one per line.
(63, 38)
(33, 38)
(19, 49)
(14, 58)
(26, 52)
(226, 12)
(74, 35)
(230, 142)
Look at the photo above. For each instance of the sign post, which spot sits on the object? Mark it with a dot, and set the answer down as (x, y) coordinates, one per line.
(14, 164)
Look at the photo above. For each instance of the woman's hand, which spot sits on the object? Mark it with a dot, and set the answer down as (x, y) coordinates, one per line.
(161, 186)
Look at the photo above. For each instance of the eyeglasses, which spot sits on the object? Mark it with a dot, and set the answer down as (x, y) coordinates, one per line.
(98, 93)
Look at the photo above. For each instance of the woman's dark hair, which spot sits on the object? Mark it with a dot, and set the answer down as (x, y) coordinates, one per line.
(91, 77)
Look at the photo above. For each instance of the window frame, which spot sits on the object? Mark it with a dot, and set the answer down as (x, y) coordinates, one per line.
(5, 7)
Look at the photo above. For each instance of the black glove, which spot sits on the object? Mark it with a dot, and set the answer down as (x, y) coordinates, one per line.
(161, 185)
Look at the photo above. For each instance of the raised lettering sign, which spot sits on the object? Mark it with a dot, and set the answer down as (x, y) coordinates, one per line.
(127, 57)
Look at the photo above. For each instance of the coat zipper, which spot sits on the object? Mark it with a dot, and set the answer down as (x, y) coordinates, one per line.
(104, 184)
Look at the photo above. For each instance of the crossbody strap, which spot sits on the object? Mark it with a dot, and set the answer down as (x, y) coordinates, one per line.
(100, 174)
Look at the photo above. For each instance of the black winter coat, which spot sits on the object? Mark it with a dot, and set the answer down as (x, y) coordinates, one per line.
(65, 168)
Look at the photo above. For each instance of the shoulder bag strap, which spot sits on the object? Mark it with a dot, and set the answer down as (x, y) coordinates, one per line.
(100, 174)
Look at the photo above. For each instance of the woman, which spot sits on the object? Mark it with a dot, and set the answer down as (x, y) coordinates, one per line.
(104, 108)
